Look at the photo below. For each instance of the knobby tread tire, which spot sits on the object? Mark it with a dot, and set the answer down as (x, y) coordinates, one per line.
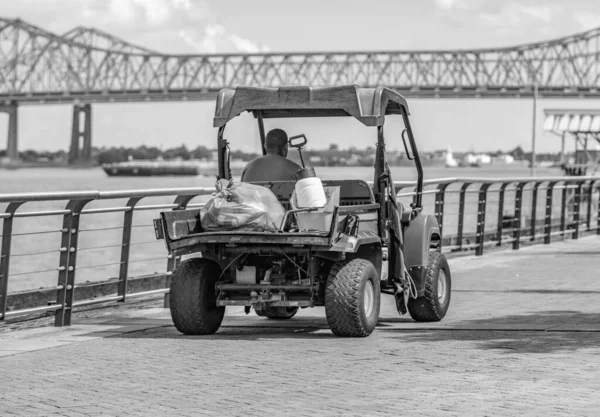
(427, 308)
(344, 298)
(192, 297)
(277, 313)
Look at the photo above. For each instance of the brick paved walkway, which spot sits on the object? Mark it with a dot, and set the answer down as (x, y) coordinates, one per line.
(522, 338)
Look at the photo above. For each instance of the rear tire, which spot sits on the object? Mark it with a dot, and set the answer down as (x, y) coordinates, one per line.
(277, 313)
(352, 298)
(192, 297)
(434, 304)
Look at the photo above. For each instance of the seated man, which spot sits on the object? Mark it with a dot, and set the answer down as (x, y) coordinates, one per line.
(274, 166)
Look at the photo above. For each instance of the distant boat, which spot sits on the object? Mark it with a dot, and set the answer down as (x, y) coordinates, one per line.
(465, 164)
(146, 168)
(543, 164)
(450, 161)
(150, 168)
(473, 161)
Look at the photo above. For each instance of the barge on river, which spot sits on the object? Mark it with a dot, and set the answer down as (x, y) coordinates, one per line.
(150, 168)
(142, 168)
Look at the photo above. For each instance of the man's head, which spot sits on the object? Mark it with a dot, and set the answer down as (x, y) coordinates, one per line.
(276, 142)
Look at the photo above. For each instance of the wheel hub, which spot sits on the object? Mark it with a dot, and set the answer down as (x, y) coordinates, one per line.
(369, 299)
(442, 287)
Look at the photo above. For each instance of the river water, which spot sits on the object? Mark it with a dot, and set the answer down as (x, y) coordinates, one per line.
(64, 179)
(35, 256)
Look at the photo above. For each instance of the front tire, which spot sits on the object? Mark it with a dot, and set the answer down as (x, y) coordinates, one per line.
(434, 304)
(352, 298)
(277, 313)
(192, 297)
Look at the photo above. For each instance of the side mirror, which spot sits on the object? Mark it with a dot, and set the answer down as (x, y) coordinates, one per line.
(297, 141)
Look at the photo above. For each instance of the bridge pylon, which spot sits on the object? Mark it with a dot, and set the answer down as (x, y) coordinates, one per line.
(12, 150)
(81, 135)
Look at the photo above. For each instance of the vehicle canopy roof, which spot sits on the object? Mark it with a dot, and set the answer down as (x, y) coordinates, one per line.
(368, 105)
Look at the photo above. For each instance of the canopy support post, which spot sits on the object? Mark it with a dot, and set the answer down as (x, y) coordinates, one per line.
(562, 148)
(261, 130)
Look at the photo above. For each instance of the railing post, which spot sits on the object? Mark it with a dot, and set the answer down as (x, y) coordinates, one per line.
(563, 208)
(5, 255)
(517, 218)
(500, 225)
(588, 220)
(481, 206)
(67, 266)
(440, 198)
(548, 216)
(576, 208)
(461, 214)
(598, 219)
(172, 260)
(534, 209)
(125, 247)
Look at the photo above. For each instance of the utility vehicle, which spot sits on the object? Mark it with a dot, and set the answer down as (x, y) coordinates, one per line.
(365, 245)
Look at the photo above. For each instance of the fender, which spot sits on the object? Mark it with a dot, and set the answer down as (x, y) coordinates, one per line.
(371, 252)
(420, 235)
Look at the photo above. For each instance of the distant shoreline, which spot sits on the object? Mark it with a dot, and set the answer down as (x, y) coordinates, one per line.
(21, 165)
(64, 165)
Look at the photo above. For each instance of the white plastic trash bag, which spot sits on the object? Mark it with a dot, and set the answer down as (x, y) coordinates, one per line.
(242, 206)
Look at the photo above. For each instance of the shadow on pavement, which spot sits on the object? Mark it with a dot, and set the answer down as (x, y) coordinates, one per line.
(533, 291)
(246, 334)
(247, 329)
(558, 331)
(539, 332)
(516, 254)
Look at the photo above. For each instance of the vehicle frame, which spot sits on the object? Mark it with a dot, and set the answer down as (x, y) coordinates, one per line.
(369, 227)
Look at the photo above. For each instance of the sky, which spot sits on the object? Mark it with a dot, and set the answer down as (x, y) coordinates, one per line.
(225, 26)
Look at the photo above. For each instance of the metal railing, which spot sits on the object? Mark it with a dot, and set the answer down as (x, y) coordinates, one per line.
(70, 231)
(474, 213)
(509, 210)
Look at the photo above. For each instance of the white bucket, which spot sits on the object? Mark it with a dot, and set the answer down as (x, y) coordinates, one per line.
(310, 193)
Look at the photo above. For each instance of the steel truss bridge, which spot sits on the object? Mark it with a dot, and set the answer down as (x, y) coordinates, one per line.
(85, 66)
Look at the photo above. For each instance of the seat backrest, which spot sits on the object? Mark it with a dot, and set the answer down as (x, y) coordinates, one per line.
(282, 189)
(352, 192)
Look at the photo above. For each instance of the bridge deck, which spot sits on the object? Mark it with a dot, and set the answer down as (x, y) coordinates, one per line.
(522, 337)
